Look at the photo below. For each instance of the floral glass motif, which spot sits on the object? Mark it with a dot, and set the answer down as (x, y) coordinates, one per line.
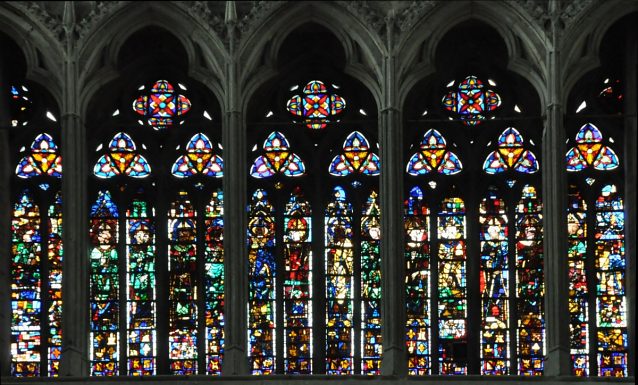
(316, 105)
(339, 268)
(590, 151)
(122, 160)
(161, 105)
(199, 159)
(417, 283)
(277, 159)
(262, 284)
(297, 285)
(356, 157)
(511, 155)
(104, 288)
(434, 157)
(470, 101)
(43, 160)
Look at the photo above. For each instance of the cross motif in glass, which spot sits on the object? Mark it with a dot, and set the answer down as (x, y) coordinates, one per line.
(161, 105)
(471, 101)
(316, 105)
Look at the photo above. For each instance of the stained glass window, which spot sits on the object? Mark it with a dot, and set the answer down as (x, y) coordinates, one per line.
(182, 278)
(122, 159)
(43, 160)
(104, 293)
(371, 339)
(530, 283)
(357, 157)
(214, 282)
(590, 151)
(511, 154)
(470, 101)
(417, 284)
(262, 284)
(277, 158)
(141, 293)
(452, 287)
(199, 159)
(316, 105)
(434, 157)
(339, 268)
(161, 105)
(297, 285)
(494, 285)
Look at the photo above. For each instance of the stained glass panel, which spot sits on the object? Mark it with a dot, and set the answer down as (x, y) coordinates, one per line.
(277, 158)
(511, 155)
(356, 157)
(43, 160)
(141, 295)
(590, 151)
(434, 157)
(104, 287)
(316, 105)
(494, 285)
(122, 159)
(262, 284)
(26, 288)
(452, 285)
(339, 269)
(297, 285)
(183, 311)
(417, 283)
(54, 292)
(610, 265)
(199, 159)
(371, 339)
(214, 282)
(530, 288)
(161, 105)
(470, 101)
(578, 290)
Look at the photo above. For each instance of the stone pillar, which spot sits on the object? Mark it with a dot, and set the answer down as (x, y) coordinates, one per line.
(75, 305)
(554, 213)
(631, 84)
(394, 360)
(235, 250)
(5, 233)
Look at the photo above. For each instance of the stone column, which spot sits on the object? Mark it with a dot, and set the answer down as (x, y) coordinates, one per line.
(394, 360)
(554, 212)
(75, 305)
(5, 233)
(631, 84)
(235, 251)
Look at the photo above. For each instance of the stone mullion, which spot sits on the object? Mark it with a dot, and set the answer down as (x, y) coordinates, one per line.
(554, 213)
(5, 233)
(630, 191)
(394, 360)
(235, 361)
